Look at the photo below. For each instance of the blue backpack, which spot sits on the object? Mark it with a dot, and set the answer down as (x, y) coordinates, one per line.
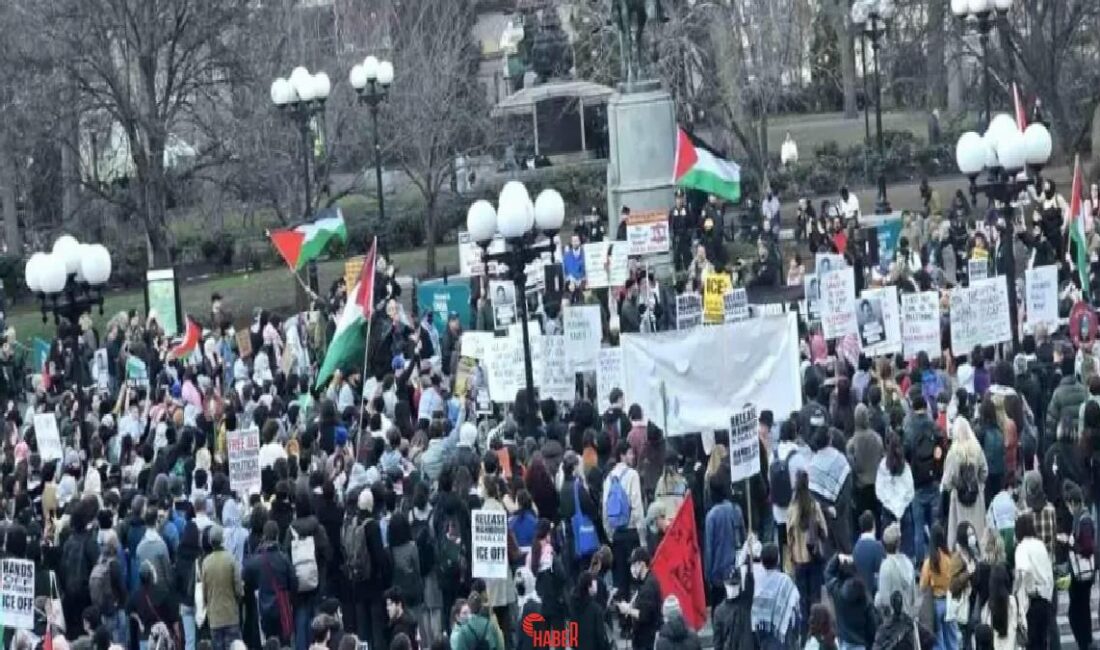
(618, 504)
(585, 540)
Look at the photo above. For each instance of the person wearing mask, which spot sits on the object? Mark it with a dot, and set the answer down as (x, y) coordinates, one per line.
(965, 560)
(923, 451)
(675, 634)
(732, 618)
(684, 225)
(1033, 583)
(935, 580)
(623, 512)
(964, 474)
(269, 572)
(724, 532)
(855, 613)
(641, 610)
(223, 590)
(474, 629)
(806, 533)
(775, 603)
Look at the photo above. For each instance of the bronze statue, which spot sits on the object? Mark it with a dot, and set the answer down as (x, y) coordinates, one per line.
(631, 17)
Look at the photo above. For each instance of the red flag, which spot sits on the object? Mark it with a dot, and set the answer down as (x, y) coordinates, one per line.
(678, 566)
(189, 343)
(364, 297)
(1021, 114)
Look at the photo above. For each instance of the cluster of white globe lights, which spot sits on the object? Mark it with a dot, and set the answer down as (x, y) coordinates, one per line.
(1003, 146)
(302, 86)
(515, 215)
(49, 272)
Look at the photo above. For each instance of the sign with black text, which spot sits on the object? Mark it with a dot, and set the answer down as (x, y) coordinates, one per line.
(17, 593)
(244, 460)
(490, 543)
(744, 445)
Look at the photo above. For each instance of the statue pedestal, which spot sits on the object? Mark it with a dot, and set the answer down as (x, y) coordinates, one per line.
(641, 128)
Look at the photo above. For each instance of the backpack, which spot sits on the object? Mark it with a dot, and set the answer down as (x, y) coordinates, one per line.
(585, 539)
(353, 539)
(925, 464)
(779, 481)
(422, 535)
(930, 387)
(76, 566)
(993, 446)
(99, 587)
(968, 487)
(452, 563)
(482, 642)
(618, 504)
(407, 578)
(1082, 560)
(303, 555)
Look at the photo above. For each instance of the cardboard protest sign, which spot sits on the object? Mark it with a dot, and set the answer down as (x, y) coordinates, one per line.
(744, 445)
(244, 460)
(689, 311)
(489, 530)
(48, 437)
(715, 286)
(978, 270)
(920, 322)
(884, 315)
(609, 375)
(979, 315)
(558, 378)
(647, 233)
(503, 296)
(838, 304)
(735, 305)
(606, 264)
(1041, 290)
(17, 593)
(583, 329)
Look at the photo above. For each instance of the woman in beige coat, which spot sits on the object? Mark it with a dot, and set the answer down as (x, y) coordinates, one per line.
(964, 450)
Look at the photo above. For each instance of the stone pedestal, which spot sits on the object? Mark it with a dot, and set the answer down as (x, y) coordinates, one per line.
(641, 127)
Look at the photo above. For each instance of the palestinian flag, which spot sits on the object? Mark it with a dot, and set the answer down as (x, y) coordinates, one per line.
(364, 294)
(188, 343)
(1078, 228)
(348, 343)
(699, 168)
(306, 242)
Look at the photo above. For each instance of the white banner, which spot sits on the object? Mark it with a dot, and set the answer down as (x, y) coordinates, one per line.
(490, 543)
(887, 299)
(17, 593)
(838, 303)
(689, 311)
(744, 445)
(695, 379)
(583, 329)
(606, 264)
(735, 305)
(647, 233)
(979, 315)
(475, 343)
(920, 324)
(244, 460)
(1041, 289)
(49, 440)
(609, 376)
(558, 379)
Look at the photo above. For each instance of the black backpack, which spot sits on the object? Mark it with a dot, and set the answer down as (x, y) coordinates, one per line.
(779, 481)
(408, 579)
(968, 487)
(76, 570)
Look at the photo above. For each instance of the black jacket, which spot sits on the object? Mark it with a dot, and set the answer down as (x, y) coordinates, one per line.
(644, 629)
(404, 624)
(855, 613)
(311, 527)
(733, 619)
(269, 569)
(675, 635)
(591, 630)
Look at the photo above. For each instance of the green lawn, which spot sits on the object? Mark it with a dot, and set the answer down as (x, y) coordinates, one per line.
(811, 131)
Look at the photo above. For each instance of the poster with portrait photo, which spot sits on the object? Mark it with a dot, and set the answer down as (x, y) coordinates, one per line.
(872, 326)
(812, 296)
(503, 296)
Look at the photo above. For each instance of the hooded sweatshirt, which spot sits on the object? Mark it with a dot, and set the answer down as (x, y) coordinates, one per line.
(675, 635)
(236, 537)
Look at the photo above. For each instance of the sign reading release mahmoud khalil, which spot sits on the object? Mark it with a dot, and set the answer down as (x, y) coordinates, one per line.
(490, 543)
(744, 445)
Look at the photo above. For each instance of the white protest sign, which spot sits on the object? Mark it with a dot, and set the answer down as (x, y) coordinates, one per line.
(689, 311)
(978, 269)
(49, 440)
(503, 294)
(17, 593)
(490, 543)
(744, 445)
(1041, 288)
(609, 375)
(583, 329)
(504, 368)
(606, 264)
(244, 460)
(558, 379)
(920, 324)
(838, 303)
(101, 370)
(470, 255)
(811, 291)
(887, 298)
(979, 315)
(534, 338)
(474, 344)
(825, 263)
(647, 233)
(735, 305)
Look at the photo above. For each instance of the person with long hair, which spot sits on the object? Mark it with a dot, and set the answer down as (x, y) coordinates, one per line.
(965, 559)
(1001, 612)
(1034, 583)
(965, 463)
(806, 532)
(935, 576)
(822, 630)
(588, 614)
(543, 562)
(894, 488)
(992, 440)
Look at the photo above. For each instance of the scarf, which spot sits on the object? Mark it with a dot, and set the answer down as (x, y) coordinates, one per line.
(895, 492)
(828, 470)
(774, 603)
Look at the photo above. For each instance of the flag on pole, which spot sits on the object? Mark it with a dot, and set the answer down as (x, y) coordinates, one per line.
(1079, 226)
(364, 296)
(348, 342)
(188, 343)
(1021, 114)
(698, 167)
(677, 564)
(298, 246)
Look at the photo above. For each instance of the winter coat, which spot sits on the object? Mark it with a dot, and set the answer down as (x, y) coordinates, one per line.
(265, 571)
(222, 589)
(675, 635)
(311, 527)
(733, 619)
(591, 629)
(1065, 402)
(855, 613)
(958, 513)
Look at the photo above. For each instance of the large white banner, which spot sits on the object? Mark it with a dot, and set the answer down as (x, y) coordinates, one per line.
(696, 379)
(1041, 288)
(244, 460)
(609, 376)
(490, 543)
(558, 377)
(583, 333)
(838, 303)
(887, 299)
(49, 440)
(920, 323)
(606, 263)
(979, 315)
(744, 445)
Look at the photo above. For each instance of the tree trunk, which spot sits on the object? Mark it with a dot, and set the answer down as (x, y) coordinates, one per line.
(957, 70)
(8, 199)
(429, 236)
(845, 44)
(937, 71)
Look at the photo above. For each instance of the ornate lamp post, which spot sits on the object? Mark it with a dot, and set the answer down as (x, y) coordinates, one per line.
(69, 282)
(983, 13)
(371, 80)
(528, 230)
(301, 97)
(871, 17)
(1003, 153)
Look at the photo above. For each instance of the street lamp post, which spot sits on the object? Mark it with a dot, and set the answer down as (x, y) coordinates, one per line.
(371, 80)
(871, 17)
(302, 97)
(528, 230)
(69, 282)
(1003, 153)
(984, 14)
